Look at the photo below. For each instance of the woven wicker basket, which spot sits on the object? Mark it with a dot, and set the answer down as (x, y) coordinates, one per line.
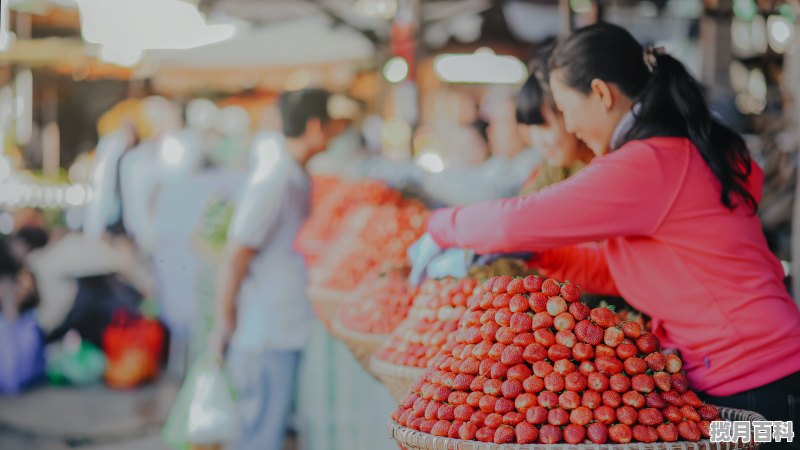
(361, 345)
(397, 379)
(325, 302)
(415, 440)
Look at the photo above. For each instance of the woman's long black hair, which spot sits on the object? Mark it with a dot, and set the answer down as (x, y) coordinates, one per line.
(672, 101)
(534, 94)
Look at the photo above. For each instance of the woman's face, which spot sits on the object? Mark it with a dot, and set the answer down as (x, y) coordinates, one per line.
(558, 147)
(587, 116)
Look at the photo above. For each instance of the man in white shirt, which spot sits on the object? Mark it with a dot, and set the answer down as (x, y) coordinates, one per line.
(263, 310)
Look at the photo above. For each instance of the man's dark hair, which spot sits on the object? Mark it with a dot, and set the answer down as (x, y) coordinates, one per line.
(298, 107)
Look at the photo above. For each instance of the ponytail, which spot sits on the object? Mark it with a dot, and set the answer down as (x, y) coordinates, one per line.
(670, 101)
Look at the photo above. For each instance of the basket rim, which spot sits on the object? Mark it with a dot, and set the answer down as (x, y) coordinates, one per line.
(380, 366)
(398, 432)
(342, 329)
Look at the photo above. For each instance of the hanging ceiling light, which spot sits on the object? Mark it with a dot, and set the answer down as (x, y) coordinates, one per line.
(781, 33)
(481, 67)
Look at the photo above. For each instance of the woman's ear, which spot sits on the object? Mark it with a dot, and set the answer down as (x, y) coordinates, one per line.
(603, 92)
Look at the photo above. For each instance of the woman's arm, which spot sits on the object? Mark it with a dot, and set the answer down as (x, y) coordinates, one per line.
(584, 265)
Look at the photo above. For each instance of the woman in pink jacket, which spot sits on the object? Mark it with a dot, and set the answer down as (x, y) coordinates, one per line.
(663, 216)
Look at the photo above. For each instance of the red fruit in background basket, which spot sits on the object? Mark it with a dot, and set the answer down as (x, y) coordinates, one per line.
(605, 415)
(574, 434)
(541, 320)
(504, 406)
(680, 383)
(512, 355)
(463, 412)
(634, 399)
(650, 416)
(551, 288)
(556, 306)
(603, 317)
(708, 412)
(548, 399)
(591, 400)
(646, 434)
(525, 401)
(691, 399)
(533, 384)
(524, 339)
(493, 420)
(558, 352)
(534, 352)
(663, 381)
(632, 329)
(512, 388)
(582, 351)
(520, 322)
(656, 361)
(485, 434)
(519, 303)
(550, 434)
(586, 368)
(612, 399)
(544, 337)
(597, 433)
(667, 432)
(504, 435)
(627, 350)
(673, 363)
(689, 431)
(581, 416)
(570, 292)
(635, 366)
(500, 284)
(608, 366)
(537, 415)
(627, 415)
(620, 434)
(689, 413)
(654, 400)
(519, 372)
(643, 383)
(564, 322)
(538, 302)
(619, 383)
(516, 286)
(613, 337)
(554, 382)
(673, 398)
(575, 382)
(498, 371)
(558, 417)
(569, 400)
(526, 433)
(487, 403)
(542, 369)
(579, 311)
(532, 283)
(648, 343)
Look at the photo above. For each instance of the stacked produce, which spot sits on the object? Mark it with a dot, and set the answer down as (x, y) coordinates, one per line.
(379, 304)
(530, 363)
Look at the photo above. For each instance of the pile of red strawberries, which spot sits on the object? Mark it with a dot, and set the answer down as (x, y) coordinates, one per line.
(532, 364)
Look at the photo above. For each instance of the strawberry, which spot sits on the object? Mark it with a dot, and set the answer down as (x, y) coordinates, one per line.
(524, 402)
(635, 366)
(603, 317)
(432, 411)
(489, 331)
(516, 286)
(554, 382)
(564, 322)
(542, 369)
(441, 393)
(526, 433)
(613, 337)
(416, 423)
(689, 413)
(419, 404)
(486, 300)
(632, 329)
(581, 351)
(673, 363)
(532, 283)
(538, 302)
(427, 426)
(663, 381)
(575, 382)
(569, 400)
(593, 335)
(648, 343)
(485, 434)
(605, 415)
(534, 352)
(524, 339)
(667, 432)
(488, 315)
(627, 415)
(477, 383)
(489, 283)
(581, 416)
(579, 311)
(656, 361)
(474, 398)
(503, 406)
(689, 431)
(650, 416)
(570, 292)
(673, 414)
(597, 433)
(544, 337)
(646, 434)
(447, 412)
(691, 399)
(586, 368)
(473, 336)
(487, 403)
(469, 366)
(608, 366)
(492, 387)
(566, 338)
(598, 382)
(485, 367)
(673, 398)
(478, 418)
(520, 322)
(541, 320)
(558, 417)
(612, 399)
(551, 288)
(620, 434)
(558, 352)
(512, 355)
(634, 399)
(462, 382)
(452, 433)
(548, 399)
(511, 389)
(550, 434)
(519, 372)
(620, 383)
(501, 284)
(533, 384)
(537, 415)
(604, 351)
(503, 317)
(463, 412)
(482, 349)
(680, 383)
(496, 351)
(448, 379)
(591, 399)
(705, 428)
(655, 400)
(556, 306)
(574, 434)
(501, 301)
(708, 412)
(627, 350)
(643, 383)
(563, 366)
(519, 304)
(498, 371)
(493, 420)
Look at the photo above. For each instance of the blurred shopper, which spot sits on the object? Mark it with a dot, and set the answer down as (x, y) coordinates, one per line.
(347, 150)
(263, 310)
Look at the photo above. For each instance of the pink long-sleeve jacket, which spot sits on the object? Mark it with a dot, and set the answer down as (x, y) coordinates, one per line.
(646, 222)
